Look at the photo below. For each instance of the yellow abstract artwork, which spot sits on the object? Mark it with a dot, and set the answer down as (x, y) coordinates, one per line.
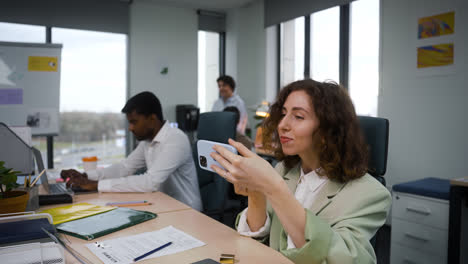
(435, 55)
(438, 25)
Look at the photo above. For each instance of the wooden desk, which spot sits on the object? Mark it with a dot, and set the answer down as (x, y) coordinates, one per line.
(458, 214)
(218, 237)
(161, 202)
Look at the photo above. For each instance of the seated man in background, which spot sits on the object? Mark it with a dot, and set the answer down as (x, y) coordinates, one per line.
(165, 152)
(227, 97)
(246, 141)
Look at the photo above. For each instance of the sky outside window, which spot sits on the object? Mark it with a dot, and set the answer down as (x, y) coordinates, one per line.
(364, 56)
(12, 32)
(93, 72)
(324, 45)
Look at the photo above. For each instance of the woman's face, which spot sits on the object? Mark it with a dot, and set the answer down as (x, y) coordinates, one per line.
(298, 125)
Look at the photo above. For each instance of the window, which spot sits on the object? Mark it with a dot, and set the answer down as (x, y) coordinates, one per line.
(92, 94)
(364, 56)
(12, 32)
(22, 33)
(292, 51)
(208, 69)
(324, 45)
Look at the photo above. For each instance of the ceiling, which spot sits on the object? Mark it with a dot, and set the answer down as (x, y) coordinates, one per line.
(220, 5)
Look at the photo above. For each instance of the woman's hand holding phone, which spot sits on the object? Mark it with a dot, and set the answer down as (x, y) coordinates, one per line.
(205, 148)
(248, 171)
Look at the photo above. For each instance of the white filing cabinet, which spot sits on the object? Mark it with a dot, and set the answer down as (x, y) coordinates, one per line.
(419, 229)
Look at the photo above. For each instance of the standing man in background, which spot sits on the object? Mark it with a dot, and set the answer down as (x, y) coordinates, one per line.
(228, 97)
(165, 152)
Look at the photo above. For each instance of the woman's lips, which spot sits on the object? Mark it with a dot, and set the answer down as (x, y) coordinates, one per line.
(285, 140)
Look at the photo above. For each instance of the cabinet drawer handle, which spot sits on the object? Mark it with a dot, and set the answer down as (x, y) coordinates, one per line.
(423, 239)
(419, 211)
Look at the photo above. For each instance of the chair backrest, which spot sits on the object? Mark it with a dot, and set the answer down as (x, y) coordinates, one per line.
(219, 127)
(376, 131)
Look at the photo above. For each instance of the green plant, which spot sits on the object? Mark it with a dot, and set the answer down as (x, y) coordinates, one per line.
(8, 178)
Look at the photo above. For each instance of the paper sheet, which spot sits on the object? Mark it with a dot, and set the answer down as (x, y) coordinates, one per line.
(125, 249)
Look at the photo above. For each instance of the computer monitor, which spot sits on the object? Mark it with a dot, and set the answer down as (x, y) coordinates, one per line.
(49, 188)
(15, 152)
(187, 117)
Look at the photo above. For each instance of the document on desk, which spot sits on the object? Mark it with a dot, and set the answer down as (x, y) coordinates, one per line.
(125, 249)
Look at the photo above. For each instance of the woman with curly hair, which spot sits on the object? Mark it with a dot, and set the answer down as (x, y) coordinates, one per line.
(318, 205)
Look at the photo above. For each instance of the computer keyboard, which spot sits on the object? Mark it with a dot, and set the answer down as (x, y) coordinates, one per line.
(58, 188)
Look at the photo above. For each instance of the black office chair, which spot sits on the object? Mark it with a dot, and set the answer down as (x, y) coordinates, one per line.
(214, 190)
(376, 131)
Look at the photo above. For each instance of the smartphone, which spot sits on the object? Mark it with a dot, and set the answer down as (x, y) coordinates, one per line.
(205, 147)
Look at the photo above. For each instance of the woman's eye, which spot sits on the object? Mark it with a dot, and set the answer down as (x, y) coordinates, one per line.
(299, 117)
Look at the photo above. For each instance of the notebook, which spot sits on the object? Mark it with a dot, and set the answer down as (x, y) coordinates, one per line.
(99, 225)
(12, 232)
(76, 211)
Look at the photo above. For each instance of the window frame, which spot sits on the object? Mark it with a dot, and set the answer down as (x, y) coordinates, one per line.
(50, 138)
(343, 46)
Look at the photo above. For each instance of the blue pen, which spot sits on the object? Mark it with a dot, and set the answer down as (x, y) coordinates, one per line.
(152, 251)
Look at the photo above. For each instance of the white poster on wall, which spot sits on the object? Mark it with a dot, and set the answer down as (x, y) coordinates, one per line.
(30, 86)
(41, 120)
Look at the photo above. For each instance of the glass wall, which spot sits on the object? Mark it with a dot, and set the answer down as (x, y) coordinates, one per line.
(92, 94)
(292, 51)
(364, 56)
(208, 69)
(12, 32)
(324, 63)
(324, 45)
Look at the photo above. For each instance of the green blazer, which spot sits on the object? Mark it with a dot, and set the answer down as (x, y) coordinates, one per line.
(342, 220)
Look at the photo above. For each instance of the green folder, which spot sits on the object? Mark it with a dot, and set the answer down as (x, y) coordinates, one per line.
(102, 224)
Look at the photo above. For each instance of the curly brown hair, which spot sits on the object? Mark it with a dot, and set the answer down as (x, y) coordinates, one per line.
(343, 153)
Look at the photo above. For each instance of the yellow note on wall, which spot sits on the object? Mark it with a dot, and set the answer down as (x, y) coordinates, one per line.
(39, 63)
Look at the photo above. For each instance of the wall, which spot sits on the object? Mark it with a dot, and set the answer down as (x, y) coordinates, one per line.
(232, 30)
(245, 53)
(163, 36)
(427, 112)
(208, 70)
(271, 64)
(168, 35)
